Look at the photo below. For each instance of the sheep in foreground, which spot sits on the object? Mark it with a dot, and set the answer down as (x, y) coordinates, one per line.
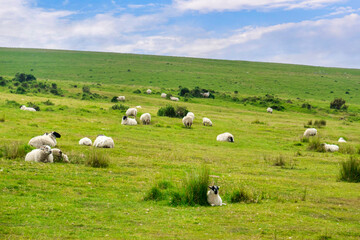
(163, 95)
(331, 147)
(85, 141)
(131, 112)
(174, 99)
(213, 196)
(310, 132)
(342, 140)
(207, 122)
(187, 121)
(128, 121)
(59, 156)
(43, 154)
(190, 114)
(148, 91)
(46, 139)
(145, 118)
(103, 141)
(206, 94)
(225, 137)
(121, 98)
(24, 108)
(269, 110)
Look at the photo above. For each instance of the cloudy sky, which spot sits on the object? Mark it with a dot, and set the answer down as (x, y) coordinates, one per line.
(311, 32)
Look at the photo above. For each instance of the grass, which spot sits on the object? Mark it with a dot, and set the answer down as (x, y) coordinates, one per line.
(14, 150)
(97, 159)
(350, 170)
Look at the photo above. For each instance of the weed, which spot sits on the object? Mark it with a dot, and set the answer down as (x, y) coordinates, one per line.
(350, 170)
(97, 159)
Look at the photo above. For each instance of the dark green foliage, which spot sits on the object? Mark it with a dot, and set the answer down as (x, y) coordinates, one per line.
(196, 92)
(119, 107)
(97, 159)
(181, 111)
(114, 99)
(195, 188)
(242, 195)
(154, 194)
(13, 150)
(20, 90)
(321, 123)
(88, 95)
(22, 77)
(33, 105)
(86, 89)
(12, 103)
(315, 145)
(306, 105)
(183, 91)
(3, 82)
(266, 101)
(339, 104)
(137, 91)
(350, 170)
(48, 102)
(170, 111)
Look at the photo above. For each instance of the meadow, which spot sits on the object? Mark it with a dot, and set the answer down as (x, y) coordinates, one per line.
(302, 198)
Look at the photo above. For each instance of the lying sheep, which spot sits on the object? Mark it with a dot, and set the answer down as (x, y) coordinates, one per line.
(330, 147)
(121, 98)
(213, 196)
(163, 95)
(145, 118)
(131, 112)
(207, 122)
(24, 108)
(174, 99)
(205, 95)
(187, 121)
(103, 141)
(190, 114)
(342, 140)
(310, 132)
(225, 137)
(43, 154)
(46, 139)
(59, 156)
(269, 110)
(128, 121)
(148, 91)
(85, 141)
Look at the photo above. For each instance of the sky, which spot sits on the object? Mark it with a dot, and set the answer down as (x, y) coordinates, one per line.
(310, 32)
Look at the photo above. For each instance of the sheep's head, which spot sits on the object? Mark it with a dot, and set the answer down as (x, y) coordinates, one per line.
(230, 139)
(214, 189)
(46, 149)
(56, 135)
(124, 118)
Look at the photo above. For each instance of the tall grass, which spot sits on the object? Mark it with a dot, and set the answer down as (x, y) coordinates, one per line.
(97, 159)
(196, 187)
(350, 170)
(315, 145)
(14, 150)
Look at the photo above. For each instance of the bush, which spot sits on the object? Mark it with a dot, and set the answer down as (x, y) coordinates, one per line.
(119, 107)
(184, 91)
(48, 103)
(86, 89)
(338, 103)
(114, 99)
(97, 159)
(20, 90)
(170, 111)
(350, 170)
(137, 91)
(315, 145)
(14, 150)
(306, 105)
(33, 105)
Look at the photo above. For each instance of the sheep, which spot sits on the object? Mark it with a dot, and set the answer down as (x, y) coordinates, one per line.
(138, 107)
(187, 121)
(85, 141)
(342, 140)
(207, 122)
(205, 95)
(148, 91)
(225, 137)
(24, 108)
(43, 154)
(128, 121)
(103, 141)
(269, 110)
(331, 147)
(310, 132)
(131, 112)
(163, 95)
(46, 139)
(213, 196)
(59, 155)
(145, 118)
(121, 98)
(190, 114)
(174, 99)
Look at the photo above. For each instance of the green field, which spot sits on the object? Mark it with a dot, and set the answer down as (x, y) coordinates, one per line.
(303, 199)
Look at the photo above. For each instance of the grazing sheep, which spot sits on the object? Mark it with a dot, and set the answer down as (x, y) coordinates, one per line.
(342, 140)
(269, 110)
(205, 95)
(163, 95)
(225, 137)
(103, 141)
(331, 147)
(131, 112)
(310, 132)
(174, 99)
(24, 108)
(85, 141)
(187, 121)
(145, 118)
(148, 91)
(207, 122)
(128, 121)
(213, 196)
(46, 139)
(121, 98)
(59, 155)
(190, 114)
(43, 154)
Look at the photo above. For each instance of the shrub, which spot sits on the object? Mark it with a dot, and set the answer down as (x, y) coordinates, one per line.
(181, 111)
(315, 145)
(137, 91)
(48, 102)
(184, 91)
(86, 89)
(20, 90)
(306, 105)
(97, 159)
(338, 103)
(168, 111)
(14, 150)
(114, 99)
(350, 170)
(33, 105)
(119, 107)
(242, 195)
(321, 123)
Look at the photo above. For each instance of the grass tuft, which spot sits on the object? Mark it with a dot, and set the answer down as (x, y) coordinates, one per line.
(154, 194)
(97, 159)
(14, 150)
(315, 145)
(242, 195)
(2, 119)
(350, 170)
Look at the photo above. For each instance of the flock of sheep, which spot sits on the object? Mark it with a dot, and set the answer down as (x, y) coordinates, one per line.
(328, 147)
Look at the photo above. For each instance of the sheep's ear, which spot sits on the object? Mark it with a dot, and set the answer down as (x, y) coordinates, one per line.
(57, 135)
(210, 187)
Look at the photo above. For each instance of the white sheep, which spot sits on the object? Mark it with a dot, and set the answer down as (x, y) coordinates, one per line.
(163, 95)
(225, 137)
(205, 95)
(24, 108)
(121, 98)
(331, 147)
(190, 114)
(269, 110)
(85, 141)
(148, 91)
(213, 196)
(103, 141)
(207, 122)
(131, 112)
(138, 107)
(187, 121)
(46, 139)
(310, 132)
(342, 140)
(43, 154)
(174, 99)
(59, 155)
(145, 118)
(128, 121)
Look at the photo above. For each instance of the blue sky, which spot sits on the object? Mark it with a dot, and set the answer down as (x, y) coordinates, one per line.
(311, 32)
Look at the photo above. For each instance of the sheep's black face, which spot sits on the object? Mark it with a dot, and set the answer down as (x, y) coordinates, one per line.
(124, 118)
(57, 135)
(215, 189)
(230, 139)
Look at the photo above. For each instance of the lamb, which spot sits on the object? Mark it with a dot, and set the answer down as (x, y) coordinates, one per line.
(174, 99)
(43, 154)
(207, 122)
(148, 91)
(24, 108)
(225, 137)
(187, 121)
(131, 112)
(145, 118)
(269, 110)
(310, 132)
(342, 140)
(331, 147)
(213, 196)
(163, 95)
(59, 155)
(205, 95)
(85, 141)
(46, 139)
(128, 121)
(103, 141)
(121, 98)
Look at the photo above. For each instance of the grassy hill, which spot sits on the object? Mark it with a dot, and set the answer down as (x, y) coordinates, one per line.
(300, 198)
